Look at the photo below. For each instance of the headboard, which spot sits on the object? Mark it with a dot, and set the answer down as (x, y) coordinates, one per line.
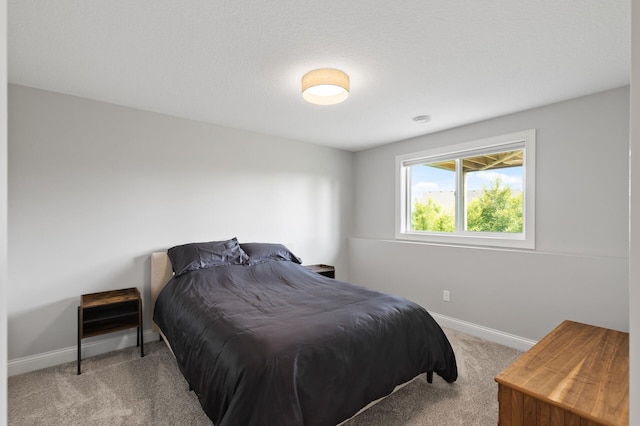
(161, 273)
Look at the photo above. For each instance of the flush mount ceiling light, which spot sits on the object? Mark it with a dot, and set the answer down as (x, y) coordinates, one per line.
(325, 86)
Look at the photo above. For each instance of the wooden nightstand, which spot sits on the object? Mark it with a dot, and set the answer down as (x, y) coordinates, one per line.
(109, 311)
(326, 270)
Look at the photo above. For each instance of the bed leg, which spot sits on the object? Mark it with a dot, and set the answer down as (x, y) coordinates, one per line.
(430, 376)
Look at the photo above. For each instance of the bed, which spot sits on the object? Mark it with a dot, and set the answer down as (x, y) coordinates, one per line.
(262, 340)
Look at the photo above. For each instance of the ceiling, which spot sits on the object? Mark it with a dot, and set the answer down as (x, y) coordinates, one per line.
(240, 63)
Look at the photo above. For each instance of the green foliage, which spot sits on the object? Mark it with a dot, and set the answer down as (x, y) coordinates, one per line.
(496, 210)
(430, 216)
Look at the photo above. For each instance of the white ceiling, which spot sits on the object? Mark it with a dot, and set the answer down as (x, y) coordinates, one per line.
(239, 63)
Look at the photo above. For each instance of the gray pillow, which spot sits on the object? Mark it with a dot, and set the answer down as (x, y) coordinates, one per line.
(193, 256)
(266, 252)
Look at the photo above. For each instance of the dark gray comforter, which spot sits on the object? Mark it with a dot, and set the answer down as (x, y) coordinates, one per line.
(276, 344)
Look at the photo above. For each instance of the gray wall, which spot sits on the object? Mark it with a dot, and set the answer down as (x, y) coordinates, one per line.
(3, 213)
(634, 256)
(94, 188)
(579, 269)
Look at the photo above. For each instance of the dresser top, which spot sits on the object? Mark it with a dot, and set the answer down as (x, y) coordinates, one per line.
(581, 368)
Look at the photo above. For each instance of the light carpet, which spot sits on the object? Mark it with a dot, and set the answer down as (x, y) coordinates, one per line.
(120, 388)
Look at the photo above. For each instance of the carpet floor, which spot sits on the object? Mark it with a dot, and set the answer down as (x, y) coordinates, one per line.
(120, 388)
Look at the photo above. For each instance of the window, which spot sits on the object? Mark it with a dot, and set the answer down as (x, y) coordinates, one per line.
(478, 193)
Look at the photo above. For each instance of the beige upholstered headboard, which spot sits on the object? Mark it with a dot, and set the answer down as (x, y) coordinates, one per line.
(161, 273)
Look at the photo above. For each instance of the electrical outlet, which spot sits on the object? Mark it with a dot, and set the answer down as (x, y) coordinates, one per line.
(446, 295)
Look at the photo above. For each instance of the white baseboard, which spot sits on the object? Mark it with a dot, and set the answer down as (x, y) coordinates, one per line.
(496, 336)
(61, 356)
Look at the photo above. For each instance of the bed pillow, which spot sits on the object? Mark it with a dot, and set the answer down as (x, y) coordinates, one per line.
(193, 256)
(266, 252)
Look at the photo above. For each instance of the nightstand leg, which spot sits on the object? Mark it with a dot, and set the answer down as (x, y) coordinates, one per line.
(141, 339)
(140, 329)
(79, 345)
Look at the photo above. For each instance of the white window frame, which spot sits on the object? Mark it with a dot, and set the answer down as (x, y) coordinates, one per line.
(525, 140)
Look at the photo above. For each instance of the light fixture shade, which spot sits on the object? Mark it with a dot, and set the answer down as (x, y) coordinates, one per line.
(325, 86)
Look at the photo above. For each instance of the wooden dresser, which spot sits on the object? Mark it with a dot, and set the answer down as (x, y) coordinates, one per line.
(576, 375)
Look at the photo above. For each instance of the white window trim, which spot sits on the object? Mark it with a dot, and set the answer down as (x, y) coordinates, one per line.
(526, 240)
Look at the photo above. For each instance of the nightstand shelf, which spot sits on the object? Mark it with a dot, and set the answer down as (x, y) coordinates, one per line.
(107, 312)
(326, 270)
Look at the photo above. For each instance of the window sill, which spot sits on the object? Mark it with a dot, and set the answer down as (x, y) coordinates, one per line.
(499, 241)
